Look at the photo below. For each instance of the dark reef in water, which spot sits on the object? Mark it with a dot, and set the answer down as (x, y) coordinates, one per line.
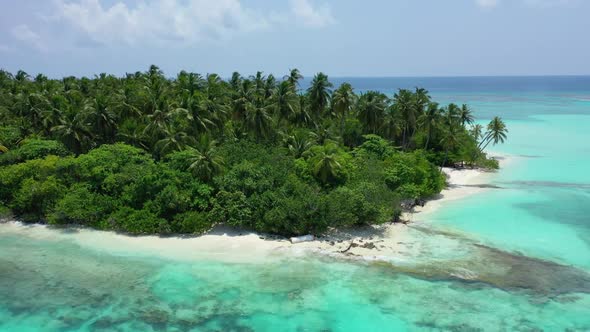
(485, 186)
(501, 269)
(552, 184)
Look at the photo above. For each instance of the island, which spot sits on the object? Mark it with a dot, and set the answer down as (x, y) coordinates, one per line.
(147, 154)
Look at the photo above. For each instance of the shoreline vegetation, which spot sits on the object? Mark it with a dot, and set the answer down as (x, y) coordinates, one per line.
(144, 154)
(388, 242)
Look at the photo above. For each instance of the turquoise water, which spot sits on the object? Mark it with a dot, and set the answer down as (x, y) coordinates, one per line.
(543, 206)
(57, 285)
(512, 258)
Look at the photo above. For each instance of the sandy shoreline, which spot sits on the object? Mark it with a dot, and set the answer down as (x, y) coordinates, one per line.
(390, 242)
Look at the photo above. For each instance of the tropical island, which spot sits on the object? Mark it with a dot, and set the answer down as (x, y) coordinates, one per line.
(145, 154)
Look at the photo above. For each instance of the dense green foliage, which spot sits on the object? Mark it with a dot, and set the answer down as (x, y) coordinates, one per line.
(145, 154)
(33, 149)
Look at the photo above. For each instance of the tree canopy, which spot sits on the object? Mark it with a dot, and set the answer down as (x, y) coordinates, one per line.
(148, 154)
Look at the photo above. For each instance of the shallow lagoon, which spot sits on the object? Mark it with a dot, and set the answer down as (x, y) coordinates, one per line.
(542, 206)
(56, 285)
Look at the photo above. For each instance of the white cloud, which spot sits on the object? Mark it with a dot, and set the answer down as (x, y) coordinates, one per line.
(159, 21)
(487, 3)
(305, 13)
(6, 48)
(24, 34)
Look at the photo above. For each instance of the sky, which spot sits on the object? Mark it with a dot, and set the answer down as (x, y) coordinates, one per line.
(339, 37)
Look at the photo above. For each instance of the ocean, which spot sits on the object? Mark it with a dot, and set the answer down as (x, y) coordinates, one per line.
(514, 257)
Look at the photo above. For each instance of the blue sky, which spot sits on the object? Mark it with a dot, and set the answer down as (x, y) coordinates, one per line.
(339, 37)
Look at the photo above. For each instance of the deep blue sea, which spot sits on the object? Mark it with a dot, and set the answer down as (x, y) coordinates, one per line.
(514, 257)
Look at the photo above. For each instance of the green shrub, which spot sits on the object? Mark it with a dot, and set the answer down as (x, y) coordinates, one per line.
(13, 175)
(9, 136)
(35, 198)
(293, 209)
(192, 222)
(375, 145)
(353, 131)
(488, 163)
(33, 149)
(345, 207)
(4, 211)
(137, 222)
(81, 206)
(233, 209)
(412, 176)
(329, 164)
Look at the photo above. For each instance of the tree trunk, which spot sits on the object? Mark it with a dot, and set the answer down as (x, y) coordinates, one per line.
(404, 138)
(427, 139)
(486, 138)
(485, 146)
(342, 121)
(445, 160)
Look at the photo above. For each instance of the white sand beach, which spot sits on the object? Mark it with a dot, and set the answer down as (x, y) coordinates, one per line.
(382, 242)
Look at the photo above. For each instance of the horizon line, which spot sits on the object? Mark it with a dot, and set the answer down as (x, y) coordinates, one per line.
(306, 76)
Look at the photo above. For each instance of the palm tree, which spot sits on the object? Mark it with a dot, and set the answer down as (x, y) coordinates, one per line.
(135, 138)
(303, 118)
(7, 82)
(214, 106)
(343, 100)
(195, 108)
(124, 101)
(450, 141)
(161, 120)
(421, 101)
(269, 86)
(319, 94)
(293, 78)
(156, 89)
(74, 132)
(371, 110)
(392, 124)
(258, 121)
(284, 101)
(215, 100)
(259, 87)
(154, 73)
(158, 123)
(53, 116)
(496, 133)
(235, 81)
(69, 83)
(321, 134)
(429, 121)
(477, 132)
(298, 144)
(31, 106)
(465, 115)
(205, 162)
(243, 97)
(405, 106)
(189, 82)
(326, 167)
(105, 120)
(22, 76)
(41, 80)
(176, 141)
(452, 114)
